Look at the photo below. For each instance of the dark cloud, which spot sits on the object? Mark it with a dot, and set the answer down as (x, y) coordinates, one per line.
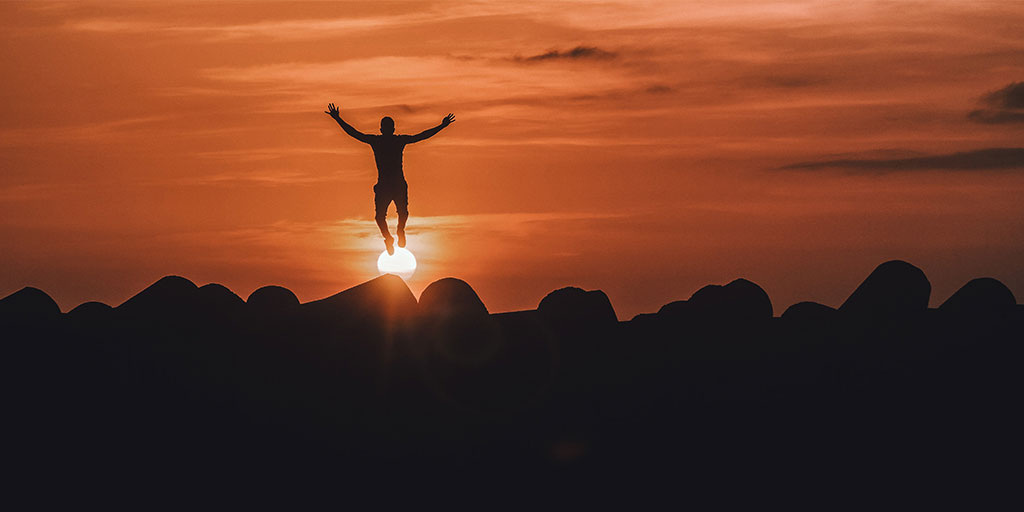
(1010, 97)
(402, 107)
(1007, 106)
(792, 81)
(658, 89)
(577, 53)
(996, 116)
(980, 159)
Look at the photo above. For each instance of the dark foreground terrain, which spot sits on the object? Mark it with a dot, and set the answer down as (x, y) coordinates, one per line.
(182, 384)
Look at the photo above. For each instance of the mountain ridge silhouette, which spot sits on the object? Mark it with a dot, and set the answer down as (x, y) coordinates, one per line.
(185, 379)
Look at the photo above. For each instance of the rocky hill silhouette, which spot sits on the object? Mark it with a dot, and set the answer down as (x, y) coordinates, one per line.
(192, 379)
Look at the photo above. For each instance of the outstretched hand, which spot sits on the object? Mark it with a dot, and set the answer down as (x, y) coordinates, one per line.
(332, 111)
(448, 119)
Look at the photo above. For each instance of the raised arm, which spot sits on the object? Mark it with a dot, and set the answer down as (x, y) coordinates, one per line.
(426, 134)
(355, 134)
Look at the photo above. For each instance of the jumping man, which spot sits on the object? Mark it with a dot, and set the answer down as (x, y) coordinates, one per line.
(391, 185)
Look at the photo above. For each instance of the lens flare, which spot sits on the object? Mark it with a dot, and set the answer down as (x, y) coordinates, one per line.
(402, 263)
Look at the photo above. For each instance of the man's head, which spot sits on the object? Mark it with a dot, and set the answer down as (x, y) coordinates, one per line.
(387, 125)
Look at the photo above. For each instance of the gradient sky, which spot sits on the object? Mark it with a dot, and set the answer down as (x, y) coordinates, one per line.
(645, 148)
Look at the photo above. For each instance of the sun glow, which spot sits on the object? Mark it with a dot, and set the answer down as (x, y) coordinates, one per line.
(402, 263)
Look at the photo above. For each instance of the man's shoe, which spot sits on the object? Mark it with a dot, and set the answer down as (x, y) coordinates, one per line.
(389, 243)
(401, 238)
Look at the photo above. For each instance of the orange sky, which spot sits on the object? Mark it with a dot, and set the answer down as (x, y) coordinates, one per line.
(645, 148)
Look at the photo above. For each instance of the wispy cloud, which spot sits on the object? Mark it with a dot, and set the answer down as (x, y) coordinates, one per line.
(264, 154)
(517, 224)
(510, 224)
(980, 159)
(996, 116)
(311, 28)
(353, 240)
(391, 80)
(580, 14)
(1011, 96)
(92, 132)
(1006, 106)
(294, 29)
(577, 53)
(269, 178)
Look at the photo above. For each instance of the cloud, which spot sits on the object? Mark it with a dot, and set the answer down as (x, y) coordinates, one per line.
(508, 224)
(1011, 96)
(577, 53)
(287, 29)
(996, 116)
(87, 132)
(304, 29)
(1007, 106)
(410, 83)
(790, 81)
(980, 159)
(273, 153)
(270, 178)
(347, 241)
(658, 89)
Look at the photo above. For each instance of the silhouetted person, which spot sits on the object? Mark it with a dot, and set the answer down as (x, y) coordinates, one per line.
(391, 185)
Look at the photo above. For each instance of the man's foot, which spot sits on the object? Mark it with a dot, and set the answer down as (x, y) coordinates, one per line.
(389, 243)
(401, 238)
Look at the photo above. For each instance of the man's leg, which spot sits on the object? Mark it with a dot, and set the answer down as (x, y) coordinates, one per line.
(402, 217)
(381, 201)
(402, 205)
(382, 223)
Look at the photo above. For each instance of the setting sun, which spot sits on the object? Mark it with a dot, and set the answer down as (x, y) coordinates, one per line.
(402, 263)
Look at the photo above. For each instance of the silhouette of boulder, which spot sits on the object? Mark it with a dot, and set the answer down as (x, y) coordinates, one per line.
(91, 315)
(272, 298)
(217, 306)
(676, 309)
(895, 288)
(90, 309)
(218, 297)
(641, 317)
(980, 296)
(169, 294)
(28, 304)
(739, 301)
(809, 313)
(678, 312)
(454, 324)
(573, 306)
(450, 297)
(384, 298)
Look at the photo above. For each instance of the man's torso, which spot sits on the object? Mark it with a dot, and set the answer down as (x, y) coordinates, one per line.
(387, 152)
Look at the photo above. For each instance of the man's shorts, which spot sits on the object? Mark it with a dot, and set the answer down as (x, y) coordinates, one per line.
(385, 193)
